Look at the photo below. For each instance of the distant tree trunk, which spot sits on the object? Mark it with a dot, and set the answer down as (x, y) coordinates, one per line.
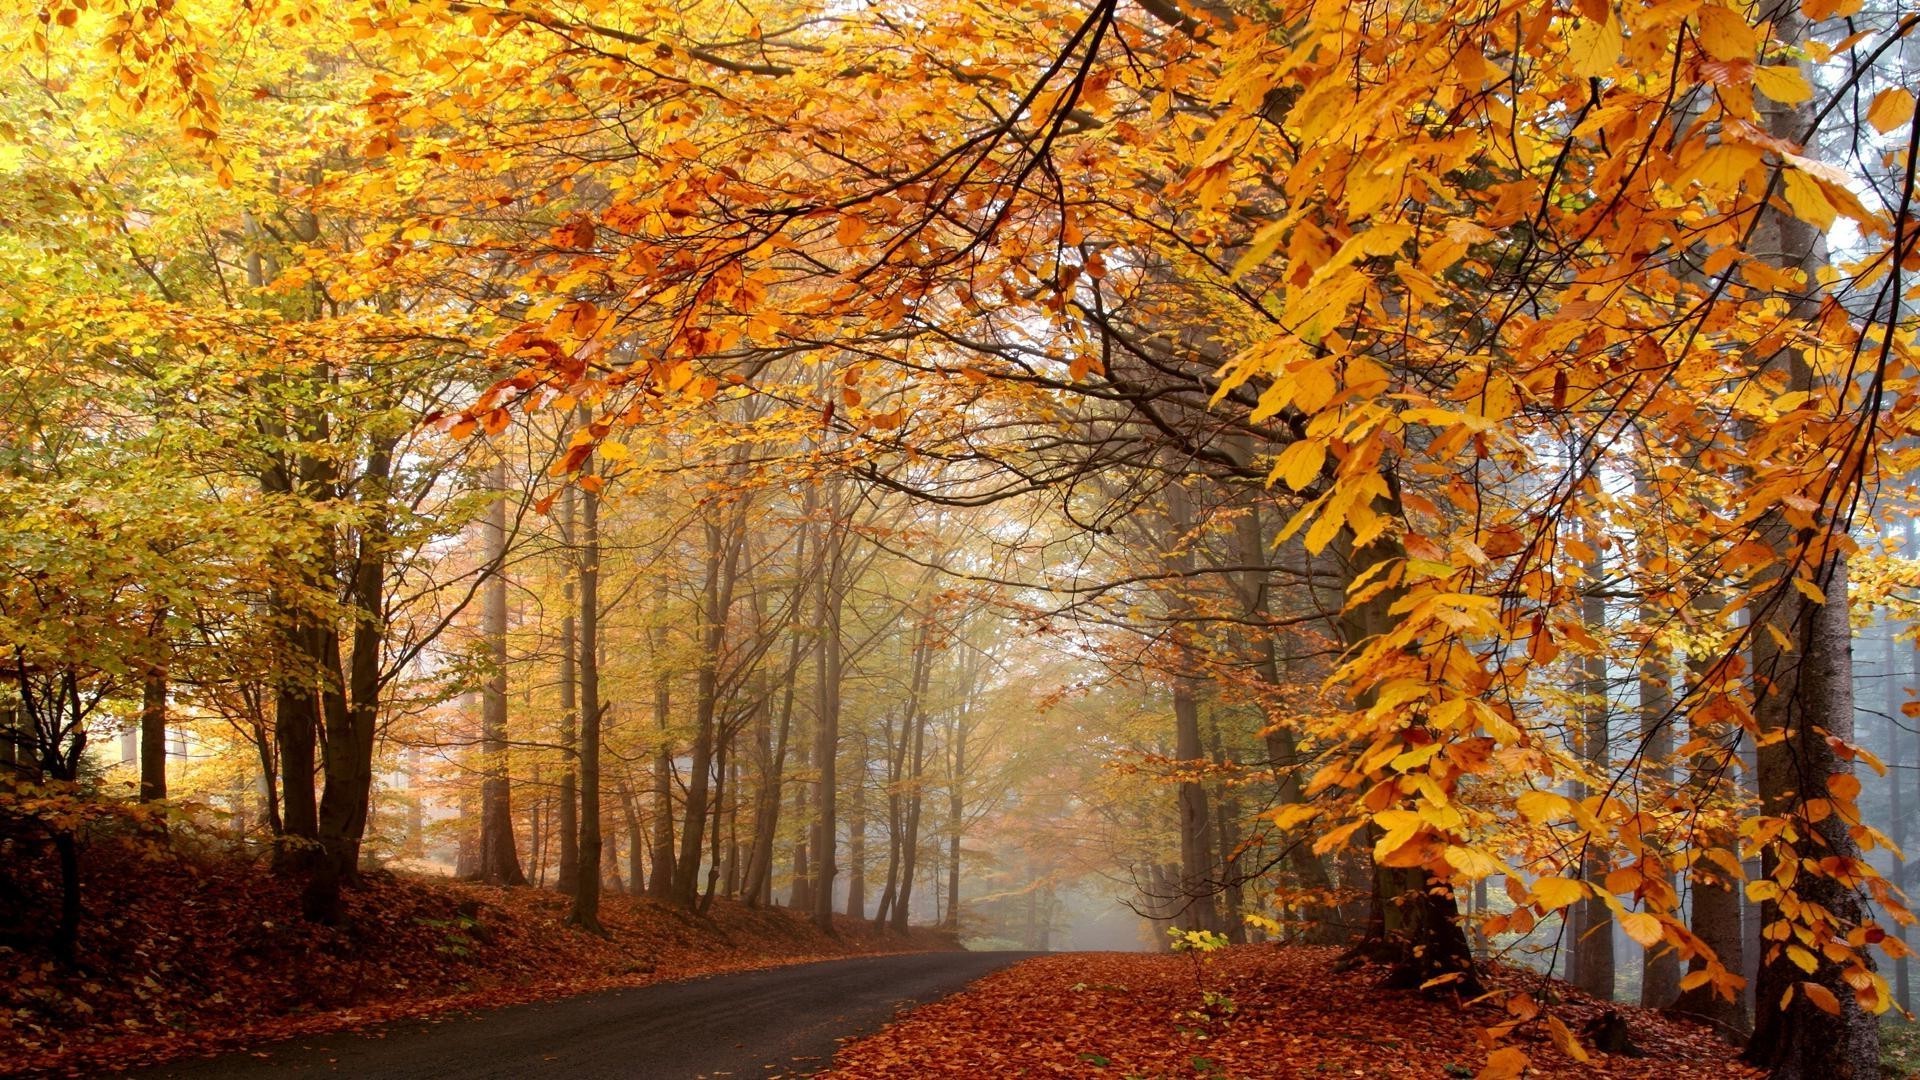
(153, 719)
(800, 896)
(721, 567)
(915, 731)
(567, 878)
(585, 913)
(499, 860)
(826, 746)
(661, 878)
(956, 805)
(1894, 695)
(766, 818)
(1592, 920)
(1233, 892)
(857, 836)
(636, 840)
(1660, 965)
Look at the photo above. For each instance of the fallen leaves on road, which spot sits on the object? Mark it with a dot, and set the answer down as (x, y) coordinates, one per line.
(181, 955)
(1252, 1013)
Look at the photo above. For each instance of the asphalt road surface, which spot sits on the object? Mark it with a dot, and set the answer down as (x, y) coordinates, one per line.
(757, 1024)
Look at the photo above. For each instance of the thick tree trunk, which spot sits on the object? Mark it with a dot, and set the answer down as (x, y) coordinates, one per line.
(1197, 887)
(1413, 922)
(1808, 698)
(1804, 700)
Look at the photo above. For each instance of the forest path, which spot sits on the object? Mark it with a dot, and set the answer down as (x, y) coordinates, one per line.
(779, 1022)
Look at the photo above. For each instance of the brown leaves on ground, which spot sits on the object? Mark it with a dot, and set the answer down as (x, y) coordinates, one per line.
(1256, 1012)
(182, 955)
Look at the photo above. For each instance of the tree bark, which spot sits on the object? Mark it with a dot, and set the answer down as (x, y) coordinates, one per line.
(567, 877)
(585, 912)
(499, 859)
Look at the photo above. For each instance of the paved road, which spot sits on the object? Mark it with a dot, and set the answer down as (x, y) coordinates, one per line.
(759, 1024)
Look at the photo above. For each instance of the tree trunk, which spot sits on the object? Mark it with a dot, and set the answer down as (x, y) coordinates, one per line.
(153, 718)
(585, 912)
(914, 730)
(1196, 839)
(1804, 698)
(567, 878)
(499, 860)
(1660, 965)
(1592, 921)
(826, 736)
(721, 566)
(661, 878)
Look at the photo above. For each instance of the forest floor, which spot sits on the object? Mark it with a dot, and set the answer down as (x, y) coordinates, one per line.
(182, 955)
(1252, 1012)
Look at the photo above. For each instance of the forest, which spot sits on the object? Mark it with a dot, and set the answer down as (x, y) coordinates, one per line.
(1403, 502)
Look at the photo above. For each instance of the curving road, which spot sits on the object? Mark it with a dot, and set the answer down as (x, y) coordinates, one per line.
(783, 1022)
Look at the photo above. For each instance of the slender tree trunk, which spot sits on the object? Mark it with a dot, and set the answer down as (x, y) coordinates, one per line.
(153, 717)
(915, 731)
(499, 860)
(661, 878)
(1593, 920)
(1660, 965)
(567, 879)
(857, 836)
(721, 566)
(826, 746)
(1233, 892)
(1714, 888)
(585, 912)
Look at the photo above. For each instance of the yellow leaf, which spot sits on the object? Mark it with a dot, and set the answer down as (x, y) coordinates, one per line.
(1809, 590)
(1810, 204)
(1299, 463)
(1725, 34)
(1802, 958)
(1314, 386)
(614, 451)
(1473, 863)
(1890, 109)
(1541, 807)
(1400, 826)
(1642, 928)
(1783, 83)
(1564, 1041)
(1554, 893)
(1593, 48)
(1292, 814)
